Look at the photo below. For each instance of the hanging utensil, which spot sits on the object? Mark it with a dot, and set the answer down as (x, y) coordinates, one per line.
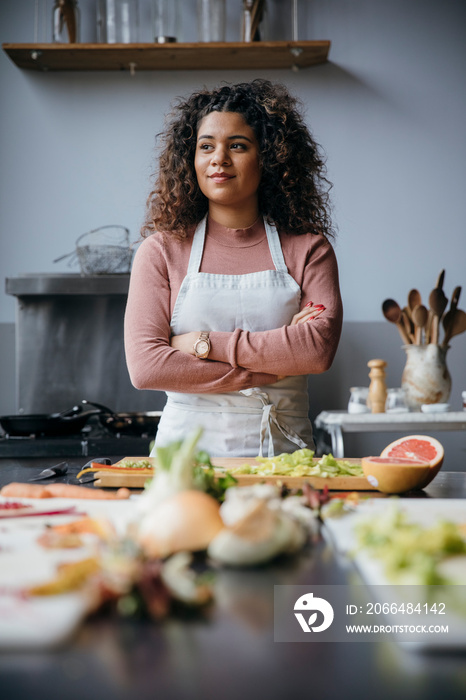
(420, 316)
(392, 312)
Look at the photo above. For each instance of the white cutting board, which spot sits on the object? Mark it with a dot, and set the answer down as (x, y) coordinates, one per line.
(341, 533)
(420, 510)
(42, 622)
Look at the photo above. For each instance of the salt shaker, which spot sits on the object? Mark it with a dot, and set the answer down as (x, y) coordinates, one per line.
(378, 388)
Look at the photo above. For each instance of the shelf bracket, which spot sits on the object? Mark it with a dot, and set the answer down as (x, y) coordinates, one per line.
(35, 55)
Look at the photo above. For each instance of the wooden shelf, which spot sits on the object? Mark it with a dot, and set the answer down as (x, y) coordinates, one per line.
(144, 57)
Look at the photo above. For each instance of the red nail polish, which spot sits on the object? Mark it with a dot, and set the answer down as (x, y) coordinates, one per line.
(319, 306)
(311, 318)
(309, 303)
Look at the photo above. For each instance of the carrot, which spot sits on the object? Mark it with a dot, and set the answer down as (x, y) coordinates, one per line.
(118, 468)
(18, 490)
(84, 525)
(71, 491)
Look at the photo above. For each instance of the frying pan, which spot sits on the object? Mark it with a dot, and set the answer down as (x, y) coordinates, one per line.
(68, 422)
(136, 423)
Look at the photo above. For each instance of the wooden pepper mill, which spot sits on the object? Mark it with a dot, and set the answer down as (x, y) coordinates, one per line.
(377, 389)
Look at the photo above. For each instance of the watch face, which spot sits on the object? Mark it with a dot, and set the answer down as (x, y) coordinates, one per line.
(202, 347)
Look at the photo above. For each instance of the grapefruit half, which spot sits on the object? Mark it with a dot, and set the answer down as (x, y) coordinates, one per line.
(418, 447)
(395, 474)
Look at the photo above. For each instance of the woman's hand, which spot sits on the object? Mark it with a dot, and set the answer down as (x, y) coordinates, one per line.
(185, 342)
(308, 313)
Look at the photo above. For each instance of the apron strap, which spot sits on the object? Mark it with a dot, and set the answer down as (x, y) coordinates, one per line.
(197, 247)
(269, 418)
(275, 247)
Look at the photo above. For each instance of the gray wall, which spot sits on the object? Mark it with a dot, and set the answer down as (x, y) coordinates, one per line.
(77, 151)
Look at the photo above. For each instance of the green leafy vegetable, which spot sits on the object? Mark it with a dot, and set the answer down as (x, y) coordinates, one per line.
(206, 479)
(192, 471)
(300, 463)
(410, 552)
(140, 464)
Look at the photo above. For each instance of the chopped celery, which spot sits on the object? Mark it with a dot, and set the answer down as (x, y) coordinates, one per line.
(300, 463)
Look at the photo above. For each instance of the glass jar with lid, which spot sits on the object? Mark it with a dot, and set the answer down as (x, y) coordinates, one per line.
(358, 400)
(166, 21)
(396, 401)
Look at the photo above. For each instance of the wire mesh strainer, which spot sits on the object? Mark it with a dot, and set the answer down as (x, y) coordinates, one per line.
(102, 251)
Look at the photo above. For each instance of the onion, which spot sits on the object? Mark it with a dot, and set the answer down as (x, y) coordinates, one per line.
(260, 536)
(186, 521)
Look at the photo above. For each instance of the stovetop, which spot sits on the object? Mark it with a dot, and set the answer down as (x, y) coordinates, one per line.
(85, 444)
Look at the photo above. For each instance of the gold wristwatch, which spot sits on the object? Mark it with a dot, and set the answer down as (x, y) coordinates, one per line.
(202, 345)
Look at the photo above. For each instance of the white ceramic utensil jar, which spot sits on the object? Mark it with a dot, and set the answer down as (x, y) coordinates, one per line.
(425, 378)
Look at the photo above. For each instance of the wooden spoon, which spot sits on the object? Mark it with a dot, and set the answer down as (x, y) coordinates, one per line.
(392, 312)
(456, 326)
(438, 303)
(440, 279)
(449, 316)
(420, 316)
(414, 299)
(408, 322)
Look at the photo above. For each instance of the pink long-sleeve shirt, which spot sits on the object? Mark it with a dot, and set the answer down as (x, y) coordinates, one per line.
(238, 359)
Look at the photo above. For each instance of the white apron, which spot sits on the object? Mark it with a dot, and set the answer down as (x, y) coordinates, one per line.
(265, 420)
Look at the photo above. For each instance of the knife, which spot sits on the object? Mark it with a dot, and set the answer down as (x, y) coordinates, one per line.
(58, 470)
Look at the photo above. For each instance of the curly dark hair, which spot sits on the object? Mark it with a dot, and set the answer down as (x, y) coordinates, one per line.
(293, 192)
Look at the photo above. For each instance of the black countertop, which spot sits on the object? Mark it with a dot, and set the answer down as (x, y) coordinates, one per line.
(229, 652)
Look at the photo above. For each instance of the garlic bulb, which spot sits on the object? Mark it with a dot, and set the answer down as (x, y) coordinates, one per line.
(259, 536)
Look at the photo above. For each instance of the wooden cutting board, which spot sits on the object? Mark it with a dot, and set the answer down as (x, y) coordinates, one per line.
(336, 483)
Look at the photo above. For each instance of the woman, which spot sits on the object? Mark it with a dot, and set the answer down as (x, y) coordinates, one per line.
(234, 299)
